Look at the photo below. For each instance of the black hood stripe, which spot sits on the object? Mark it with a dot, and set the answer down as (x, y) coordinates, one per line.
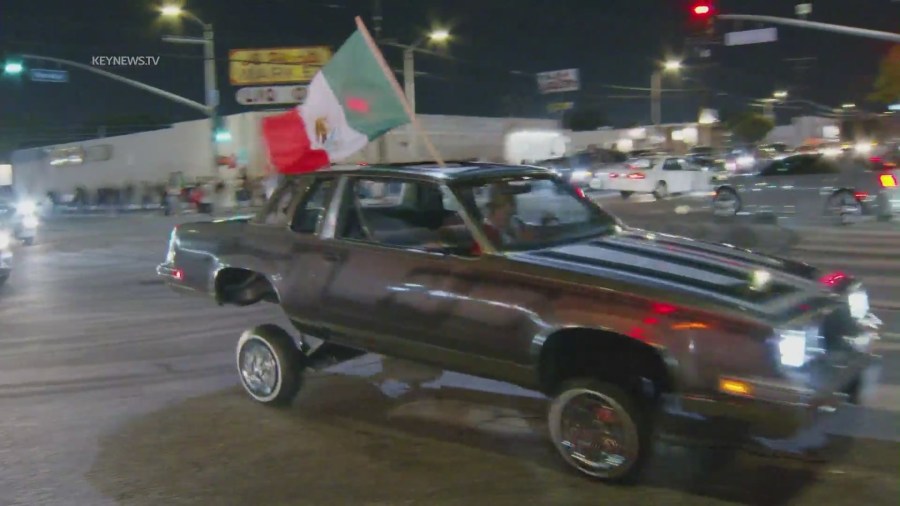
(753, 258)
(680, 258)
(740, 289)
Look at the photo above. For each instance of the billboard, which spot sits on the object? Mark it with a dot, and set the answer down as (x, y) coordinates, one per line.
(282, 65)
(558, 81)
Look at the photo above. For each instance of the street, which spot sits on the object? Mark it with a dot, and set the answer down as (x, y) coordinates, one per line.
(115, 390)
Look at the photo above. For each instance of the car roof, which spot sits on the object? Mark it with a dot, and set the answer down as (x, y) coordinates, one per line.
(450, 172)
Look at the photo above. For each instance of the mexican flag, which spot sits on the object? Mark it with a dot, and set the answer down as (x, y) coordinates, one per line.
(354, 99)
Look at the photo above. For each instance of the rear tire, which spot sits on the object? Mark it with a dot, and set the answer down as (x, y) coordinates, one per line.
(661, 191)
(624, 454)
(270, 366)
(625, 194)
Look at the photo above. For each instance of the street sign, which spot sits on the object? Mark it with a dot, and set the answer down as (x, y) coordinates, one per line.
(558, 81)
(285, 65)
(49, 76)
(751, 37)
(265, 95)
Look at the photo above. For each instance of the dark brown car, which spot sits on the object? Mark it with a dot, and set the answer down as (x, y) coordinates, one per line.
(508, 273)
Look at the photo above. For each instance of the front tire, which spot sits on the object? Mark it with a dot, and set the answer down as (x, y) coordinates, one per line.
(270, 365)
(843, 208)
(582, 408)
(726, 203)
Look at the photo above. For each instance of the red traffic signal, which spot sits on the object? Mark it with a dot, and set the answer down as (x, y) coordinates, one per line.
(701, 19)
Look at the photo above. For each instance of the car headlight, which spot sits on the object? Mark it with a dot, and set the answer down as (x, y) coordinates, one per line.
(5, 240)
(30, 221)
(858, 300)
(792, 347)
(26, 207)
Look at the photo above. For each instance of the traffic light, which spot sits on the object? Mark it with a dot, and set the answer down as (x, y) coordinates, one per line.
(702, 15)
(12, 63)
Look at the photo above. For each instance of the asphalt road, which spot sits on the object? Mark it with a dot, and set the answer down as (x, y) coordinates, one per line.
(114, 390)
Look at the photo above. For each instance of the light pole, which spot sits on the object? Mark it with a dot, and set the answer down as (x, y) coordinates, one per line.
(656, 89)
(209, 71)
(409, 76)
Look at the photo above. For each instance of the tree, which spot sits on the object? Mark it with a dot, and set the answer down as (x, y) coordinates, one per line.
(887, 85)
(580, 120)
(751, 127)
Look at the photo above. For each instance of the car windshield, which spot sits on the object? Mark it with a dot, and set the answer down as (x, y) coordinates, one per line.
(526, 213)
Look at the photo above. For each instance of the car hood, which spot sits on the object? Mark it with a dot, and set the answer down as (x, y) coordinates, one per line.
(680, 267)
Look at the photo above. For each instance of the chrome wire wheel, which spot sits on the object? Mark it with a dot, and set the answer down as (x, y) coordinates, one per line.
(259, 369)
(845, 207)
(594, 433)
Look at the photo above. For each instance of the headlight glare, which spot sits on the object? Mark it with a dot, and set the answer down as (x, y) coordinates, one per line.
(26, 207)
(792, 348)
(30, 222)
(858, 300)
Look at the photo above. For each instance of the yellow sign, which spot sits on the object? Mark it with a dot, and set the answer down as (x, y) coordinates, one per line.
(560, 106)
(280, 65)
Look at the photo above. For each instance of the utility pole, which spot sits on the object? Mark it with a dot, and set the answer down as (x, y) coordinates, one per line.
(381, 144)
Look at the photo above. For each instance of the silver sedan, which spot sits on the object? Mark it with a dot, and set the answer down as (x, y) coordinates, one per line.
(811, 186)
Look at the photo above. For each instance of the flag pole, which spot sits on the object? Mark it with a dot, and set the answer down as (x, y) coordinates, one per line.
(394, 84)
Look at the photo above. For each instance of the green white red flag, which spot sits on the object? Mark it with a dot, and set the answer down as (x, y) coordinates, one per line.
(350, 102)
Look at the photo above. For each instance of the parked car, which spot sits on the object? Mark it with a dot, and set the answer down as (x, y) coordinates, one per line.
(812, 186)
(509, 273)
(660, 176)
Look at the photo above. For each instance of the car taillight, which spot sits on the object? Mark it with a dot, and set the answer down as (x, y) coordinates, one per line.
(833, 278)
(613, 175)
(887, 181)
(636, 175)
(178, 274)
(580, 193)
(860, 195)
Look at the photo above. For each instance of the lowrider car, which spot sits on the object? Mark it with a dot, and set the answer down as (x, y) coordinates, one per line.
(509, 273)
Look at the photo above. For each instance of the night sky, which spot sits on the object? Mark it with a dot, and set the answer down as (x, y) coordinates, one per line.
(487, 70)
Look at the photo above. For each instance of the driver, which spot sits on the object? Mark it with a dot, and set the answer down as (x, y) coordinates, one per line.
(501, 224)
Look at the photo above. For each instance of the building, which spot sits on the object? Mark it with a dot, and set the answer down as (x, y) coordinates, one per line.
(146, 161)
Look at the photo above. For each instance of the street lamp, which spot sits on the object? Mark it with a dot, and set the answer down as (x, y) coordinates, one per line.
(409, 78)
(656, 89)
(209, 75)
(848, 106)
(409, 75)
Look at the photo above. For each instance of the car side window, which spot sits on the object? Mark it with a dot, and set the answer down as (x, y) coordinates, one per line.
(776, 168)
(820, 167)
(311, 211)
(407, 214)
(279, 206)
(671, 164)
